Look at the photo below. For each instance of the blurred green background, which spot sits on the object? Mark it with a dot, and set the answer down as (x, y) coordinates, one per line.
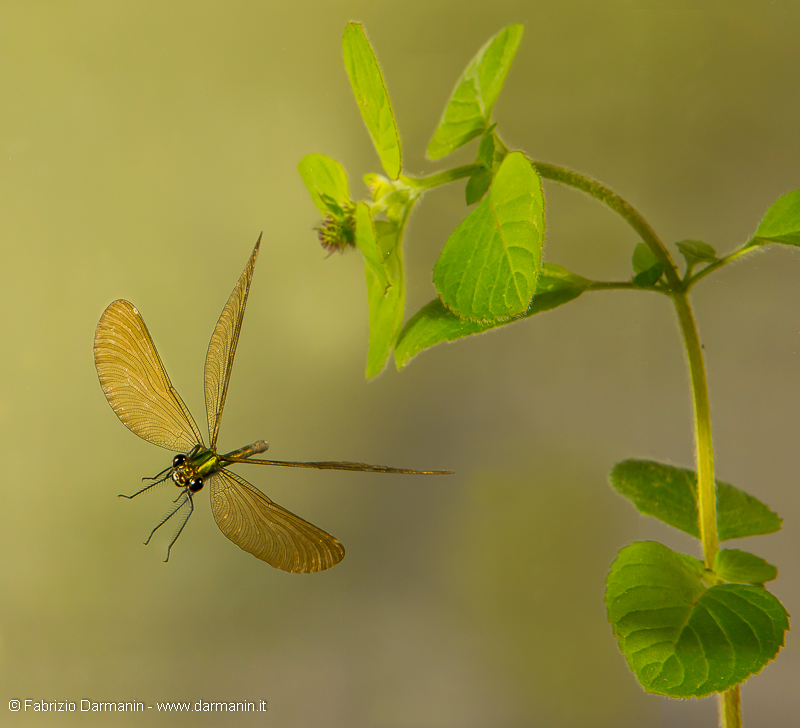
(144, 147)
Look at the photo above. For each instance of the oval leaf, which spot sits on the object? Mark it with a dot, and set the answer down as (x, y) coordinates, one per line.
(680, 638)
(696, 251)
(670, 494)
(324, 176)
(434, 323)
(489, 265)
(740, 566)
(469, 109)
(372, 97)
(477, 185)
(645, 265)
(781, 224)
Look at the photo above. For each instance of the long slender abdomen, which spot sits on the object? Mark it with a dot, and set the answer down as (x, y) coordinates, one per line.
(249, 450)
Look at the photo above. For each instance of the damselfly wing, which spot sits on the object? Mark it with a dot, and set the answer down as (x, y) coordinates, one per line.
(138, 389)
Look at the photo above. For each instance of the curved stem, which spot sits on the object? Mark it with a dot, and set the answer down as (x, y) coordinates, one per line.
(621, 207)
(704, 453)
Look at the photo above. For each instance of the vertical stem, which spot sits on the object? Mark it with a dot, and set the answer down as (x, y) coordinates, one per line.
(729, 712)
(730, 715)
(704, 453)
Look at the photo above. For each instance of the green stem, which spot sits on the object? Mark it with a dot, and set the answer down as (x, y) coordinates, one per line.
(677, 289)
(704, 453)
(729, 701)
(718, 264)
(441, 178)
(622, 285)
(615, 202)
(730, 714)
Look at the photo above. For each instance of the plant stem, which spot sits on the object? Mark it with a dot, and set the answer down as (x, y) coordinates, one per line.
(719, 263)
(730, 714)
(620, 206)
(623, 285)
(729, 707)
(704, 453)
(441, 178)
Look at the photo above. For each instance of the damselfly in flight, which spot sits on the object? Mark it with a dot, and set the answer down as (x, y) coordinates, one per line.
(139, 391)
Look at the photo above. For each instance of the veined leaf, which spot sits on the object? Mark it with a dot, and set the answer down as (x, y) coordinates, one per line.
(781, 224)
(740, 566)
(434, 323)
(489, 264)
(385, 304)
(469, 110)
(670, 494)
(324, 176)
(680, 638)
(372, 97)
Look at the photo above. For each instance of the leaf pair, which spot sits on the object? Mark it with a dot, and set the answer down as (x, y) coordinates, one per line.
(670, 494)
(681, 637)
(435, 323)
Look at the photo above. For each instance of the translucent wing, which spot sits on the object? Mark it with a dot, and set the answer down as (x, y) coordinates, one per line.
(136, 384)
(271, 533)
(222, 348)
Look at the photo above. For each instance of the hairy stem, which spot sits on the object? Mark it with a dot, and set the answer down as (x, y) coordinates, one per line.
(719, 263)
(625, 210)
(441, 178)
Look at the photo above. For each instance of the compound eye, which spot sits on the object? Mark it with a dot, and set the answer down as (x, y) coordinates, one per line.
(178, 460)
(195, 484)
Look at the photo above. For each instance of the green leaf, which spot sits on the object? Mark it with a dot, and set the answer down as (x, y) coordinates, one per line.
(486, 148)
(781, 224)
(696, 251)
(680, 638)
(385, 304)
(434, 323)
(469, 110)
(367, 243)
(324, 177)
(643, 258)
(477, 185)
(646, 266)
(670, 494)
(372, 97)
(740, 566)
(489, 264)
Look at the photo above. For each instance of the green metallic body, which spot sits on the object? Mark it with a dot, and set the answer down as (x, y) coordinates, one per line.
(202, 463)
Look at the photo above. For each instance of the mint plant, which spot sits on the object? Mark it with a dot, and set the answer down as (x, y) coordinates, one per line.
(687, 627)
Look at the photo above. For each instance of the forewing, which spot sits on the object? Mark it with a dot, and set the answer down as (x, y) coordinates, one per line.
(271, 533)
(222, 348)
(136, 384)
